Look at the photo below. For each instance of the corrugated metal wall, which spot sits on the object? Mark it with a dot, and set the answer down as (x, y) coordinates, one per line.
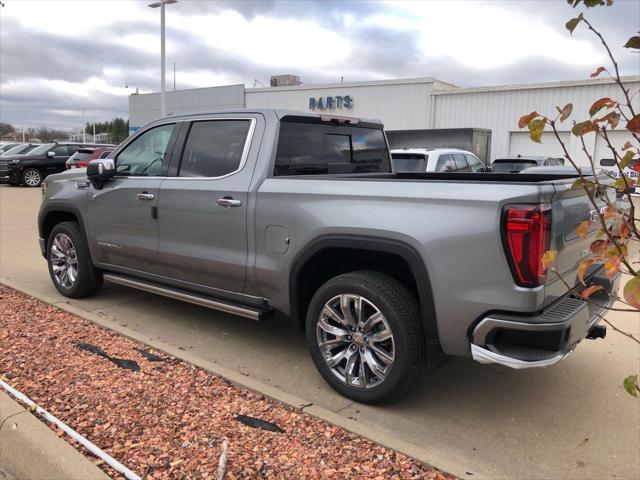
(146, 108)
(499, 109)
(399, 106)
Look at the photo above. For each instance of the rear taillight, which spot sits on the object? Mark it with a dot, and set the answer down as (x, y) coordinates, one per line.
(526, 234)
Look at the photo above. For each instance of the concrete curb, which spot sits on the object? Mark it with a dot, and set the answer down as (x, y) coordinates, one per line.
(381, 437)
(30, 450)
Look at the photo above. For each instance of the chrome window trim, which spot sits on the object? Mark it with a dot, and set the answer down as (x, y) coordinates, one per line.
(243, 158)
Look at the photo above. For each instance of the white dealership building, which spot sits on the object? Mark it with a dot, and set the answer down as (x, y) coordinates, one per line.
(414, 104)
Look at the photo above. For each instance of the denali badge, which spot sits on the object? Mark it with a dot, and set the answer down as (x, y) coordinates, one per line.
(109, 245)
(593, 214)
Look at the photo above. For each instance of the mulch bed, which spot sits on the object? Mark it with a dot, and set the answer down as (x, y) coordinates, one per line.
(169, 419)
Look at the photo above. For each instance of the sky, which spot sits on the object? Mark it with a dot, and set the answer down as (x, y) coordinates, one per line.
(59, 58)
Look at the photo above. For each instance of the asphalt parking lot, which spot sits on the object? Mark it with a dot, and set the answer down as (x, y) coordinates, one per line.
(572, 420)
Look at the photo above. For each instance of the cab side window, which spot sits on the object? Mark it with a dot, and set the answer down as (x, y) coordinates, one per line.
(214, 148)
(146, 155)
(461, 163)
(446, 163)
(475, 165)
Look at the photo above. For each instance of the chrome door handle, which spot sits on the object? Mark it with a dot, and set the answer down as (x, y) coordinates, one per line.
(145, 196)
(228, 202)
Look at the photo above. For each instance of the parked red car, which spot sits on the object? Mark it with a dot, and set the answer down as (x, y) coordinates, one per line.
(83, 156)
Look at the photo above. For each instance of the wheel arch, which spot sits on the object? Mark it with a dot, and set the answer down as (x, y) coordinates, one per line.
(317, 263)
(52, 215)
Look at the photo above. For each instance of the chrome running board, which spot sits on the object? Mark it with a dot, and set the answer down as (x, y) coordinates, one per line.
(196, 298)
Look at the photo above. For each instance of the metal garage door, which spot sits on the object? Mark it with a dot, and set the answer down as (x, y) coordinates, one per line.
(521, 144)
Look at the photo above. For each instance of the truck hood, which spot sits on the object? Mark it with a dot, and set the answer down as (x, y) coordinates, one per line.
(73, 174)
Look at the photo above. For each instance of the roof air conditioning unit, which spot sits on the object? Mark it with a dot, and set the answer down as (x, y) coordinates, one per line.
(284, 80)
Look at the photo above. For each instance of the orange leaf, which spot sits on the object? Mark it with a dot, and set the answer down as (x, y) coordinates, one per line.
(582, 268)
(582, 228)
(631, 292)
(624, 230)
(549, 257)
(612, 267)
(525, 119)
(599, 104)
(598, 71)
(587, 292)
(633, 125)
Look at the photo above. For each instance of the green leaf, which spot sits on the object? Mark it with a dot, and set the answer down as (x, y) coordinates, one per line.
(633, 42)
(626, 159)
(631, 385)
(536, 127)
(581, 128)
(573, 23)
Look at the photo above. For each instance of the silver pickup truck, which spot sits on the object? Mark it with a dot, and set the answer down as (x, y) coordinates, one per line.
(255, 211)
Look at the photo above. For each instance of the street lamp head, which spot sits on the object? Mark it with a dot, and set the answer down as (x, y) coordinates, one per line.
(158, 4)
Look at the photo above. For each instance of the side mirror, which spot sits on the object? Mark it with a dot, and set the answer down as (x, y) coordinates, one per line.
(100, 171)
(51, 154)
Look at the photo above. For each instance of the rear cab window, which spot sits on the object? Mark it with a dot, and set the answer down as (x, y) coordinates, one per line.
(313, 148)
(511, 166)
(409, 162)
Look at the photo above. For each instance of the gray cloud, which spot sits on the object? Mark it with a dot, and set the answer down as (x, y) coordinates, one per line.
(377, 52)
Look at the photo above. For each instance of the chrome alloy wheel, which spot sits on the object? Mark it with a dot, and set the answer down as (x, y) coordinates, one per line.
(64, 262)
(32, 178)
(355, 340)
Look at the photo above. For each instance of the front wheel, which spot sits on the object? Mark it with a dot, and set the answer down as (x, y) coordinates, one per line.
(364, 333)
(69, 260)
(32, 177)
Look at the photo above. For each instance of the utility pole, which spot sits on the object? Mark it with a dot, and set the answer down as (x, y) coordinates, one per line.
(84, 129)
(94, 129)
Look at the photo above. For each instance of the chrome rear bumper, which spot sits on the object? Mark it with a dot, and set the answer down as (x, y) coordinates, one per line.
(541, 340)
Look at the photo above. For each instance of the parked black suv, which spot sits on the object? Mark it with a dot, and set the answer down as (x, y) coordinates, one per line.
(31, 168)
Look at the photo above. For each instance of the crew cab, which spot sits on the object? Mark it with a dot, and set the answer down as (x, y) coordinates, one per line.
(252, 212)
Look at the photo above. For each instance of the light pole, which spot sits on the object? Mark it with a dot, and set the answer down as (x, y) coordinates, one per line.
(163, 93)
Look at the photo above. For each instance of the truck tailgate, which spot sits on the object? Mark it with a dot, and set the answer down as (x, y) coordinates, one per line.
(572, 210)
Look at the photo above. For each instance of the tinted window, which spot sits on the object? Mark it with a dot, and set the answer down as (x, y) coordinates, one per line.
(105, 154)
(317, 149)
(461, 163)
(147, 154)
(509, 166)
(446, 163)
(61, 151)
(475, 165)
(214, 148)
(82, 156)
(409, 162)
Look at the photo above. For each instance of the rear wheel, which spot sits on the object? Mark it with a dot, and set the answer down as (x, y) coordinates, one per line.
(70, 265)
(32, 177)
(364, 333)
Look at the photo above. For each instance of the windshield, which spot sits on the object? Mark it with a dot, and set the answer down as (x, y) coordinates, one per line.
(19, 150)
(511, 166)
(41, 149)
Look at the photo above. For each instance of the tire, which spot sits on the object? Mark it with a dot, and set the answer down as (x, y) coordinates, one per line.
(32, 177)
(396, 312)
(65, 244)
